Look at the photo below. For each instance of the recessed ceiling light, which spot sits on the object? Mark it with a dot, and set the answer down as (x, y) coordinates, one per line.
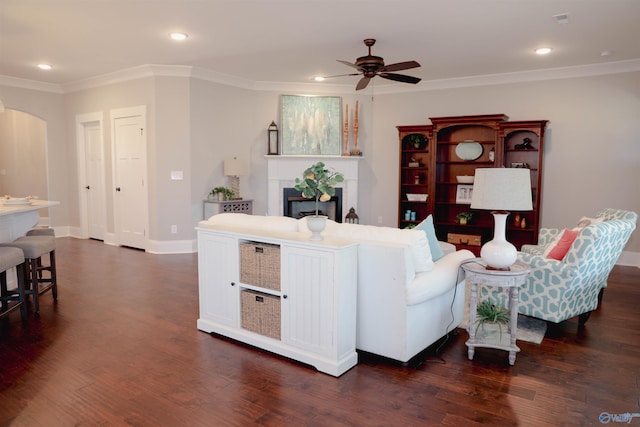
(543, 50)
(45, 66)
(178, 36)
(318, 78)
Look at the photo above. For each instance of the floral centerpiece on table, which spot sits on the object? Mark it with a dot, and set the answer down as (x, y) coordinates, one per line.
(318, 183)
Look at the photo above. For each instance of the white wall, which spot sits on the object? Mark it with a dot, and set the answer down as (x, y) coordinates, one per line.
(49, 106)
(592, 158)
(592, 155)
(23, 155)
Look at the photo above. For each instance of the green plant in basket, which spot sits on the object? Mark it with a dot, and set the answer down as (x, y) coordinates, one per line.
(318, 183)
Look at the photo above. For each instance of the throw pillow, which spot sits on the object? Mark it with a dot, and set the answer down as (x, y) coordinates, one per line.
(586, 221)
(430, 231)
(560, 246)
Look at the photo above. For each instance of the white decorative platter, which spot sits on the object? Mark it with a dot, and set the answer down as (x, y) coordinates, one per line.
(469, 150)
(17, 201)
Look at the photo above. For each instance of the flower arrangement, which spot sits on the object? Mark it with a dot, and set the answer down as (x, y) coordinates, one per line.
(319, 183)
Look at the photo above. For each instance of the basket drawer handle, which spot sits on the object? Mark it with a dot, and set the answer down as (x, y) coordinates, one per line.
(259, 298)
(259, 250)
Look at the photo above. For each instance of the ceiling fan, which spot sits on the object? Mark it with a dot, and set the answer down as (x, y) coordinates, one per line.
(370, 66)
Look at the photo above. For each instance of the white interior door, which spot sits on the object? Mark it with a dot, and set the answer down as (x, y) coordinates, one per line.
(91, 169)
(94, 160)
(130, 178)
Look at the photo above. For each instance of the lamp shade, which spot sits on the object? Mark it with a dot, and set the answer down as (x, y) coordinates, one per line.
(502, 189)
(235, 167)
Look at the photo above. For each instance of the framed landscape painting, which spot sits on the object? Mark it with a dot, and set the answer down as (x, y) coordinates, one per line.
(311, 125)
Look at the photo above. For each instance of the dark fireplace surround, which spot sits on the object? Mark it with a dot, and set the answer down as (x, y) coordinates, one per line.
(296, 206)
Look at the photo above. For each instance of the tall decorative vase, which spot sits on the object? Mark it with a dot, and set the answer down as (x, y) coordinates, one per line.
(317, 224)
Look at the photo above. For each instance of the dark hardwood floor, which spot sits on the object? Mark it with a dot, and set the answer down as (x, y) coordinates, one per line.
(121, 347)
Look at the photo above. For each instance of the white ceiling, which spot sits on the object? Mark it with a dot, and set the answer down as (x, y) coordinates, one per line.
(293, 40)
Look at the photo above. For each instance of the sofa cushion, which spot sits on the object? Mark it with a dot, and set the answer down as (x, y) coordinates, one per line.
(560, 246)
(274, 223)
(430, 231)
(415, 239)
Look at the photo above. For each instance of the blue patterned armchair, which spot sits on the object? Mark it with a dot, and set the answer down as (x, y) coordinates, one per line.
(559, 290)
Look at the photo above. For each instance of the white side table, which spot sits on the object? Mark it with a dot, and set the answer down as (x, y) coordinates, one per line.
(478, 274)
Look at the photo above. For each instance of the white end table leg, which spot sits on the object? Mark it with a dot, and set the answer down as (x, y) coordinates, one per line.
(472, 319)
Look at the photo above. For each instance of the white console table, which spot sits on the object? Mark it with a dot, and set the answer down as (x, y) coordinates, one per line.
(317, 295)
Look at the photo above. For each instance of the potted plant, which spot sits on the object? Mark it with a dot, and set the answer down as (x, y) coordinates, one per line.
(491, 317)
(223, 193)
(464, 217)
(318, 183)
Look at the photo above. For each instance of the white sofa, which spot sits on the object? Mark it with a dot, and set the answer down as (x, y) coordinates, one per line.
(406, 301)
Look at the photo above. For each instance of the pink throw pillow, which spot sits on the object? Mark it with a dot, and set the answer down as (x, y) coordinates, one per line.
(559, 248)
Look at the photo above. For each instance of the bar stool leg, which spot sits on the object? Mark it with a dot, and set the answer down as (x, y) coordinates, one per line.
(21, 292)
(35, 290)
(54, 278)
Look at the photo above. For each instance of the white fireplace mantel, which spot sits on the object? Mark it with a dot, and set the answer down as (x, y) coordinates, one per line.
(283, 170)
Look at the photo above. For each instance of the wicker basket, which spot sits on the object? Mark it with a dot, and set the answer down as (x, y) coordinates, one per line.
(260, 313)
(260, 265)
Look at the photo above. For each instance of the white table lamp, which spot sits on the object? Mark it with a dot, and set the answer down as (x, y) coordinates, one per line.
(234, 168)
(501, 190)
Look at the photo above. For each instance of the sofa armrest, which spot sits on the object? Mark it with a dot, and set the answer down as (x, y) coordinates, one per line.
(445, 275)
(447, 247)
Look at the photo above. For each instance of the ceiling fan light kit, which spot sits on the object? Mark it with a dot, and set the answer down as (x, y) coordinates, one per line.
(370, 66)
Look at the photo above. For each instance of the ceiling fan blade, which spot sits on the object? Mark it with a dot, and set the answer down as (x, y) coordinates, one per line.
(400, 78)
(399, 66)
(363, 83)
(342, 75)
(349, 64)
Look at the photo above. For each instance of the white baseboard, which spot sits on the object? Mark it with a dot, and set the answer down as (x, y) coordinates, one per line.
(629, 259)
(172, 247)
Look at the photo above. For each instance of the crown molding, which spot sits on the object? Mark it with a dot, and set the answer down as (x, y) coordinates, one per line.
(30, 84)
(150, 70)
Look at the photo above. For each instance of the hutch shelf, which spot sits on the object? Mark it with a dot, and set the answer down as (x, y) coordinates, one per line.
(455, 147)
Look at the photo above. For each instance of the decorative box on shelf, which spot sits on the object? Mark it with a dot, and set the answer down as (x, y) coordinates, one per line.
(417, 197)
(464, 239)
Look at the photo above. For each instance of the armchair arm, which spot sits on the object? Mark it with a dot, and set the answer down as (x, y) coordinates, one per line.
(537, 262)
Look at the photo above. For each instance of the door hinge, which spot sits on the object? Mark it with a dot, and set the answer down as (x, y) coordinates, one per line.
(141, 131)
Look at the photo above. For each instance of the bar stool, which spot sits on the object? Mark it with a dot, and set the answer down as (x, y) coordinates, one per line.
(41, 231)
(9, 258)
(34, 247)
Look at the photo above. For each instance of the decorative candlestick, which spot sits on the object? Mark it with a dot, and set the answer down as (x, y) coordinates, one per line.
(345, 138)
(355, 151)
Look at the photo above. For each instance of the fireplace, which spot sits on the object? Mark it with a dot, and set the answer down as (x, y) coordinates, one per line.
(283, 170)
(296, 206)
